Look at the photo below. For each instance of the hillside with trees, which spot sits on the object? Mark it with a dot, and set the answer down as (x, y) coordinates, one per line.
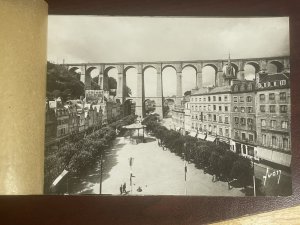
(63, 83)
(66, 84)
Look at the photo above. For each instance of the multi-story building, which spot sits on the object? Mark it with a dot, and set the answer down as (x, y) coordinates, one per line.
(210, 113)
(73, 118)
(273, 112)
(243, 119)
(51, 124)
(187, 117)
(62, 117)
(178, 117)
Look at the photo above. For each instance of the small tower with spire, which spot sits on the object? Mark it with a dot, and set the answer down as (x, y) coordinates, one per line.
(228, 71)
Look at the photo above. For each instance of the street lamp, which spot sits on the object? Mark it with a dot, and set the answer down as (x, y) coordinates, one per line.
(185, 168)
(254, 185)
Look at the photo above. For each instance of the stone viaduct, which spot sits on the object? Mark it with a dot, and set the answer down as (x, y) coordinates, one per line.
(260, 64)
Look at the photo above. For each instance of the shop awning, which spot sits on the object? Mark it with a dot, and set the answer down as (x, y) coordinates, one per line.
(210, 138)
(201, 136)
(192, 134)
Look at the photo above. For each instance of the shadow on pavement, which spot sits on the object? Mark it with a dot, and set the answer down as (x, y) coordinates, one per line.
(86, 182)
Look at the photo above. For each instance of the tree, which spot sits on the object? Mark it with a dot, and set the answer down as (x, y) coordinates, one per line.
(187, 93)
(242, 171)
(65, 83)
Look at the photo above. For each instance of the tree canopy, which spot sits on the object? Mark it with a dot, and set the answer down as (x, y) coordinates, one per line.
(63, 83)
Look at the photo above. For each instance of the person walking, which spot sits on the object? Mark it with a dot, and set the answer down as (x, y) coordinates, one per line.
(124, 188)
(121, 189)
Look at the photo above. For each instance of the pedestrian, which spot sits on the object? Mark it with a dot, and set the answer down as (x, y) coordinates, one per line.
(121, 189)
(124, 188)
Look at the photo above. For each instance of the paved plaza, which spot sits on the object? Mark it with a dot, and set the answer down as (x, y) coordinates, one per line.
(156, 172)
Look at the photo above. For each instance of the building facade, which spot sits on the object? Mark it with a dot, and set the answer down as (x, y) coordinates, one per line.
(273, 113)
(243, 119)
(62, 116)
(210, 113)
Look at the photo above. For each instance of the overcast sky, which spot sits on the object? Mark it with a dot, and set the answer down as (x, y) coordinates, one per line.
(78, 39)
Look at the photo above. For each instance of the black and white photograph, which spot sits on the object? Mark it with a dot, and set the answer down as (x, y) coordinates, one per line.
(191, 106)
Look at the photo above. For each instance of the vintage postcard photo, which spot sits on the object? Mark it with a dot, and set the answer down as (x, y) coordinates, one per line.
(168, 106)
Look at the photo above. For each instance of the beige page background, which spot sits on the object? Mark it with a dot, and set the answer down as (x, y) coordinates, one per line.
(23, 35)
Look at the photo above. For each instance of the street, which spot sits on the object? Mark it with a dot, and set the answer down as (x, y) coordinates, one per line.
(155, 171)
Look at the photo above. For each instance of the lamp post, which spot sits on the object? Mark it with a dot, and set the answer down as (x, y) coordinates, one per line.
(254, 185)
(185, 169)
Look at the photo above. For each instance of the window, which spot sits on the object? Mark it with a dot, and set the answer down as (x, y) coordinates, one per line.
(244, 149)
(226, 108)
(192, 125)
(242, 109)
(272, 108)
(204, 117)
(196, 108)
(221, 131)
(226, 119)
(283, 108)
(225, 98)
(249, 109)
(199, 99)
(283, 82)
(274, 141)
(262, 97)
(209, 117)
(204, 99)
(242, 99)
(282, 96)
(220, 98)
(273, 123)
(215, 107)
(220, 119)
(236, 120)
(251, 137)
(263, 123)
(284, 124)
(250, 151)
(235, 109)
(204, 108)
(235, 99)
(214, 98)
(236, 134)
(249, 99)
(209, 99)
(271, 96)
(220, 108)
(250, 122)
(250, 87)
(243, 136)
(285, 143)
(208, 108)
(243, 121)
(227, 132)
(236, 88)
(200, 108)
(242, 88)
(192, 107)
(215, 118)
(262, 108)
(264, 139)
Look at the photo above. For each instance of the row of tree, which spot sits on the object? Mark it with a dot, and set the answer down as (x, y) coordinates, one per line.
(78, 153)
(213, 158)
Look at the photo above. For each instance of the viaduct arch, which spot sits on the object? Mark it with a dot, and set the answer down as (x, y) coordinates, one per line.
(282, 64)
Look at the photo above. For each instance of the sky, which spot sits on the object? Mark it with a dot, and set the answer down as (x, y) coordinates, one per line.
(107, 39)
